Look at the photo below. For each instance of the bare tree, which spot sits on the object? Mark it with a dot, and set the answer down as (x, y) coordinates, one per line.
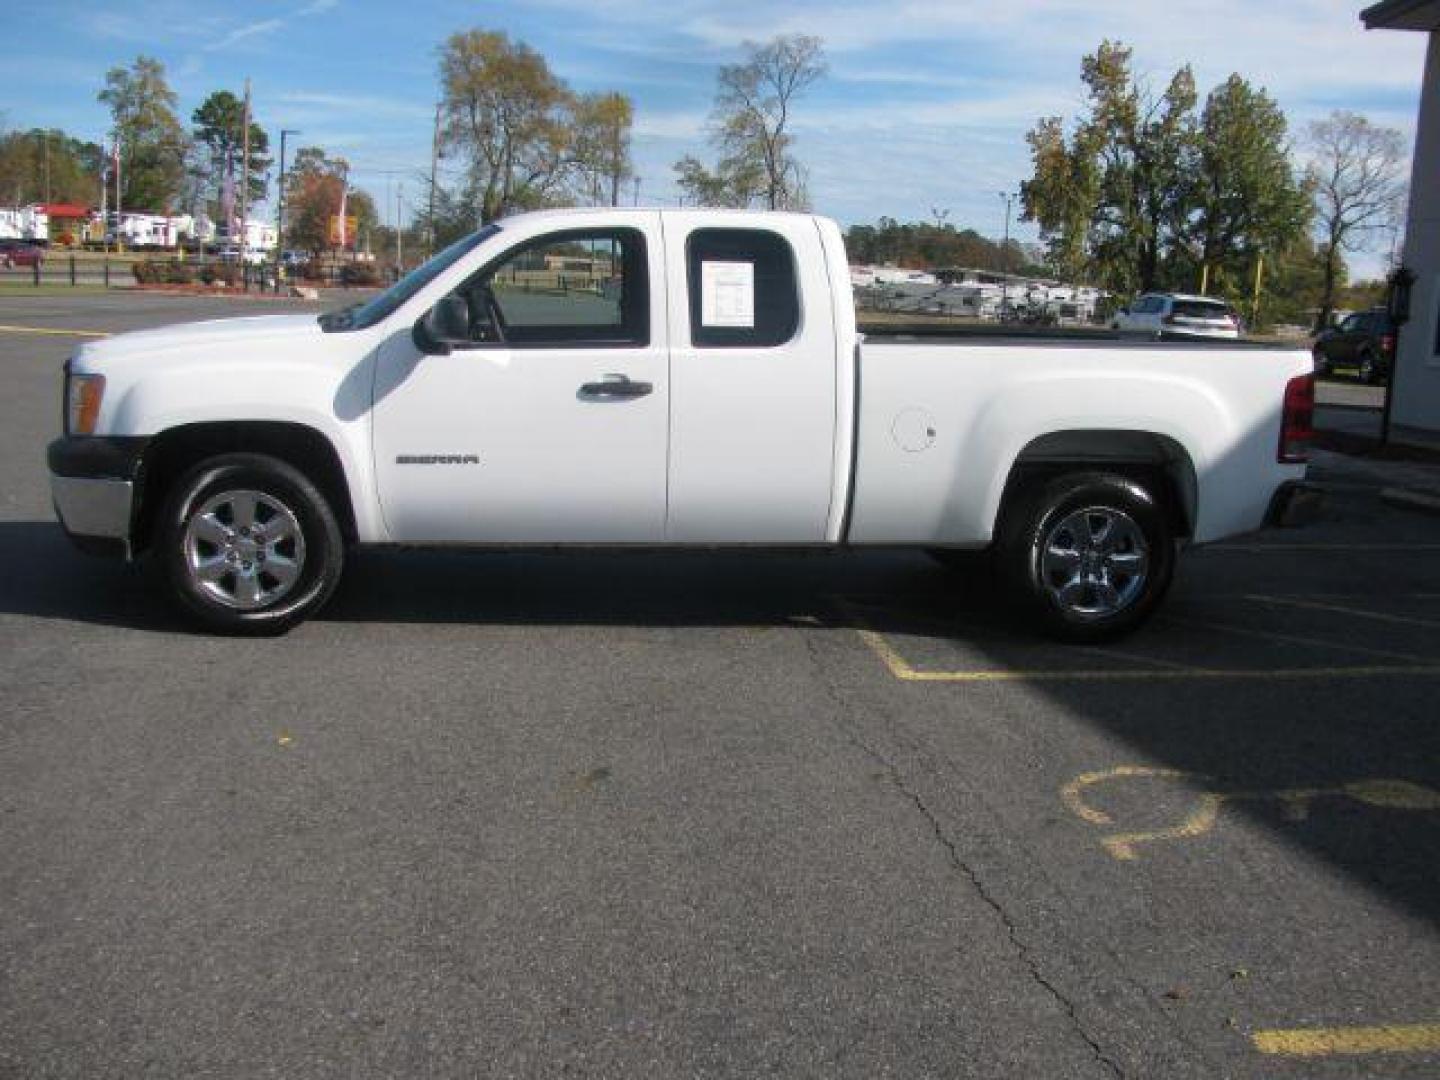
(1356, 174)
(753, 103)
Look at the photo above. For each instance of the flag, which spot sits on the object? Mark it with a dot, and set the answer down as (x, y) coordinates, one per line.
(227, 203)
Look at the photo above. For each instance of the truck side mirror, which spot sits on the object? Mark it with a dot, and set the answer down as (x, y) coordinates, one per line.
(445, 325)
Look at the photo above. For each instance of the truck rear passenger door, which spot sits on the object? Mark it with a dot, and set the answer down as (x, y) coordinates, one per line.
(752, 381)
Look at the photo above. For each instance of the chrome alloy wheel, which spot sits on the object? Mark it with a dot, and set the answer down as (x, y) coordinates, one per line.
(244, 549)
(1093, 562)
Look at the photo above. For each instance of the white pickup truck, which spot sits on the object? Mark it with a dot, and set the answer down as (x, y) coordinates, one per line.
(656, 378)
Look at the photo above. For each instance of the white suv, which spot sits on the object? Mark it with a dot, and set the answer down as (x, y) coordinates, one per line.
(1175, 313)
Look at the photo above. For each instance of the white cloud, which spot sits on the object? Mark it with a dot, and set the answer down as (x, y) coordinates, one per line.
(240, 33)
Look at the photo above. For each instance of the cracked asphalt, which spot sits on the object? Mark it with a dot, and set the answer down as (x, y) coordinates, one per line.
(678, 815)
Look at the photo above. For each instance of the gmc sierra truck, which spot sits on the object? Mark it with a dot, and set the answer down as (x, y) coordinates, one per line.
(653, 378)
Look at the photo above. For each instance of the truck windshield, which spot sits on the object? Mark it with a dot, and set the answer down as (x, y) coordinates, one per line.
(359, 316)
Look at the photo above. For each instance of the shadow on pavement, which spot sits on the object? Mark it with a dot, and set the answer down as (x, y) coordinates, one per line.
(1241, 735)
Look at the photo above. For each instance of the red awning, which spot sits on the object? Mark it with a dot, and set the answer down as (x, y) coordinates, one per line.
(65, 210)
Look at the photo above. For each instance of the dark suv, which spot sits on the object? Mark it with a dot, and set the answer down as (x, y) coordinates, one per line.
(1364, 342)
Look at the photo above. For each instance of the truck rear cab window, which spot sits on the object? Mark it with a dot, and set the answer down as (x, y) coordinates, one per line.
(577, 289)
(743, 289)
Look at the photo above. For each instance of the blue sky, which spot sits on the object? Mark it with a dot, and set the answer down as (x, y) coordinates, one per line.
(925, 106)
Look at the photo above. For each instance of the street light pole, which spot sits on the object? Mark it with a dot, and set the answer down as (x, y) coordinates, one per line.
(280, 211)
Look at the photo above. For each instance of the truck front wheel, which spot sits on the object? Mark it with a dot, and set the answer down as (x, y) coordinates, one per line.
(248, 545)
(1092, 553)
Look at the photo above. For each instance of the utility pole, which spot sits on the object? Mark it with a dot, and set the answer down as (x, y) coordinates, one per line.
(1009, 197)
(434, 164)
(245, 179)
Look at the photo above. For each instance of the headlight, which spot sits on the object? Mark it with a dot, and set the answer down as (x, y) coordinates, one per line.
(83, 394)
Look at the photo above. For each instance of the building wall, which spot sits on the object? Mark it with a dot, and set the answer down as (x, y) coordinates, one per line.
(1417, 379)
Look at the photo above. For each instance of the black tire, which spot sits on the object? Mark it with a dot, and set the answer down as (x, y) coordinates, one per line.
(314, 547)
(1369, 371)
(1036, 522)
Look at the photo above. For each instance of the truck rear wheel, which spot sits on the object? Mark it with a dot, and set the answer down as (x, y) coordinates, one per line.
(1092, 554)
(248, 545)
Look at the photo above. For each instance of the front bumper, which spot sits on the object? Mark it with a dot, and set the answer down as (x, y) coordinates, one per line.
(93, 482)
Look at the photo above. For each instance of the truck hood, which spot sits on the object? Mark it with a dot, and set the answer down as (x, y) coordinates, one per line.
(201, 339)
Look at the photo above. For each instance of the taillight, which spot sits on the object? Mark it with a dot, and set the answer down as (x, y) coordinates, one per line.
(1387, 343)
(1297, 421)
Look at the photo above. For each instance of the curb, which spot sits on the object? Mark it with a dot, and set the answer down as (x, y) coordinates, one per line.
(1423, 502)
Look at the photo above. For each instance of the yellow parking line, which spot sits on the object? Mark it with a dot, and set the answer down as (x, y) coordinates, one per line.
(902, 670)
(1295, 639)
(1367, 671)
(1359, 613)
(1289, 549)
(1324, 1042)
(52, 330)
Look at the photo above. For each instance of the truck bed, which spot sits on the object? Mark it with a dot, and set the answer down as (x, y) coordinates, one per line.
(993, 334)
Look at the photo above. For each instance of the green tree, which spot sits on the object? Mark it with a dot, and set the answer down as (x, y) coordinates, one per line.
(751, 128)
(1113, 190)
(1141, 194)
(219, 135)
(152, 141)
(456, 214)
(1355, 174)
(509, 116)
(1294, 284)
(313, 187)
(46, 165)
(1246, 198)
(928, 246)
(601, 145)
(734, 184)
(1063, 195)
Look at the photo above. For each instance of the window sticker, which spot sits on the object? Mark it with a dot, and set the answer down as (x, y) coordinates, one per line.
(727, 294)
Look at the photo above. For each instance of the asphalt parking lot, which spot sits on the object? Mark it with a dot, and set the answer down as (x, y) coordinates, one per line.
(699, 815)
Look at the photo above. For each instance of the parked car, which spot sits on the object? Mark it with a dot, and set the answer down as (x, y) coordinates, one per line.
(720, 396)
(1363, 343)
(253, 256)
(1175, 313)
(20, 253)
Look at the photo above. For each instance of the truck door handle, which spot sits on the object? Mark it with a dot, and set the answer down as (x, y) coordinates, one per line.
(616, 386)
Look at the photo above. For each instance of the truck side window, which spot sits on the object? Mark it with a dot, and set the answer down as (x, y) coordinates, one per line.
(577, 288)
(743, 289)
